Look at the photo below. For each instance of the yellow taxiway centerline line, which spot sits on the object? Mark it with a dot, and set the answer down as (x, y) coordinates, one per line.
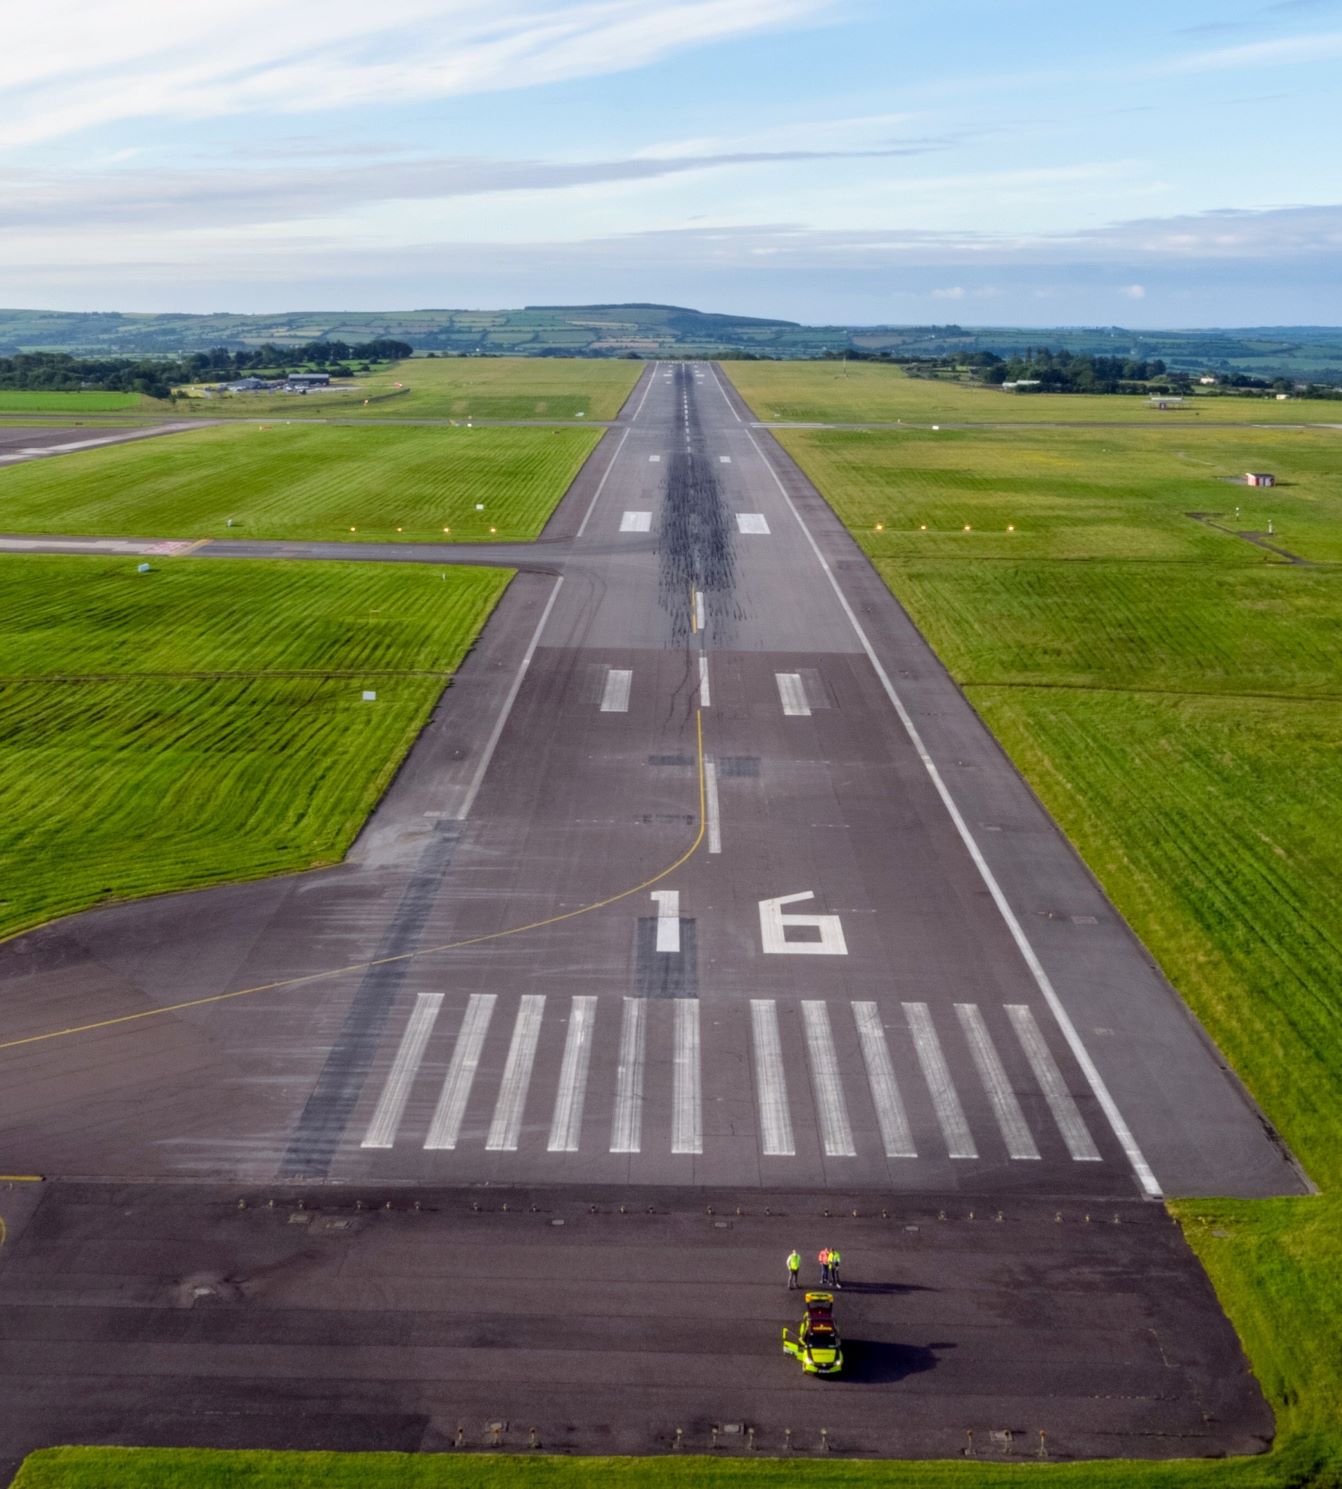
(404, 956)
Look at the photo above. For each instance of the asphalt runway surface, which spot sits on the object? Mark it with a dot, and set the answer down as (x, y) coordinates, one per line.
(704, 877)
(606, 1320)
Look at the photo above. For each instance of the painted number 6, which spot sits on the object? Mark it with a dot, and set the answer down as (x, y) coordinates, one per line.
(774, 926)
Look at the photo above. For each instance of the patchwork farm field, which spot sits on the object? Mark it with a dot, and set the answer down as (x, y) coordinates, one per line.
(456, 388)
(1174, 694)
(211, 709)
(869, 393)
(299, 481)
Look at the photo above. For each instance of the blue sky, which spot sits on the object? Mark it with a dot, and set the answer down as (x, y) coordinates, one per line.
(848, 160)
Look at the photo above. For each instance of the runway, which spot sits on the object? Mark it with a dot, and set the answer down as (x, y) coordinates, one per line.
(704, 874)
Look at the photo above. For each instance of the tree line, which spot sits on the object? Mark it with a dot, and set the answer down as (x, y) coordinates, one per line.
(61, 372)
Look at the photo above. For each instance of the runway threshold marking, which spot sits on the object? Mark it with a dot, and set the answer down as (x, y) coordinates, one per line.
(891, 1115)
(1141, 1169)
(506, 1128)
(445, 1127)
(992, 1074)
(945, 1099)
(776, 1140)
(403, 956)
(836, 1132)
(566, 1123)
(687, 1112)
(1071, 1124)
(626, 1126)
(396, 1092)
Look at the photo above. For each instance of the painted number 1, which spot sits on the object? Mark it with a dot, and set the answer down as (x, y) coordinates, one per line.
(823, 934)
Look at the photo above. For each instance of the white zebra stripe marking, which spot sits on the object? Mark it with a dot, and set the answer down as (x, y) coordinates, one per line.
(626, 1128)
(890, 1112)
(792, 695)
(1072, 1125)
(945, 1101)
(445, 1127)
(615, 698)
(836, 1132)
(396, 1092)
(566, 1123)
(1015, 1130)
(770, 1081)
(506, 1128)
(687, 1112)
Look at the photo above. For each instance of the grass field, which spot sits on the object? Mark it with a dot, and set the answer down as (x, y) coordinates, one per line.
(455, 388)
(209, 708)
(869, 393)
(21, 402)
(303, 481)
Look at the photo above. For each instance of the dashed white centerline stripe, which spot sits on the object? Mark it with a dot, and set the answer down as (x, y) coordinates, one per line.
(836, 1133)
(391, 1105)
(506, 1128)
(615, 698)
(687, 1112)
(711, 807)
(1015, 1130)
(566, 1124)
(705, 696)
(626, 1128)
(890, 1112)
(770, 1081)
(668, 919)
(445, 1127)
(1137, 1160)
(792, 695)
(945, 1102)
(1070, 1122)
(699, 609)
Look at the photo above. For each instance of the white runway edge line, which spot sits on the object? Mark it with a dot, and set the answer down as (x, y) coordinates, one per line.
(705, 696)
(776, 1139)
(668, 918)
(945, 1101)
(1136, 1159)
(836, 1132)
(446, 1125)
(711, 807)
(626, 1126)
(792, 695)
(890, 1110)
(391, 1104)
(615, 698)
(473, 790)
(601, 485)
(1072, 1125)
(566, 1124)
(1015, 1130)
(687, 1111)
(506, 1128)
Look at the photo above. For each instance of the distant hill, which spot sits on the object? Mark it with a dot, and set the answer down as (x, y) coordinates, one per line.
(650, 330)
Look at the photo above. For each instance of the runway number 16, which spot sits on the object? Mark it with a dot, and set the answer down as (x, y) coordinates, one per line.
(823, 934)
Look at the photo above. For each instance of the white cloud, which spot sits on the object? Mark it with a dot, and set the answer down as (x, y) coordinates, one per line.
(1280, 51)
(955, 292)
(98, 63)
(1134, 291)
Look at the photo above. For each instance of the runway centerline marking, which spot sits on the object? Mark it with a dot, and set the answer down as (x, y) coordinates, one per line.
(945, 1101)
(1118, 1125)
(396, 1092)
(615, 699)
(506, 1127)
(687, 1113)
(705, 695)
(699, 609)
(668, 919)
(711, 804)
(445, 1127)
(1010, 1119)
(776, 1139)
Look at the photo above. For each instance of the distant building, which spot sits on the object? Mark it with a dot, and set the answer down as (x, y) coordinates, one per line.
(246, 385)
(1166, 400)
(1259, 478)
(1282, 397)
(309, 379)
(1023, 382)
(1208, 381)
